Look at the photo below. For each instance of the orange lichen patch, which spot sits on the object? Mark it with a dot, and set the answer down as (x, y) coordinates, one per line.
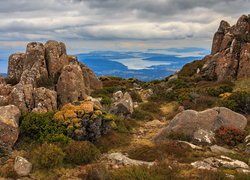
(87, 106)
(225, 95)
(69, 114)
(59, 116)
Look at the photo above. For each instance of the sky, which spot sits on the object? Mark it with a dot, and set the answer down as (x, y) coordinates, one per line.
(121, 25)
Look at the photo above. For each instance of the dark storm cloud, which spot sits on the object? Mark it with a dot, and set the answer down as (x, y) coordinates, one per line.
(115, 20)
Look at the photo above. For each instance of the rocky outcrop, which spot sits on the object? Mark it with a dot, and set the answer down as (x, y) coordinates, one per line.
(230, 54)
(45, 78)
(189, 122)
(9, 125)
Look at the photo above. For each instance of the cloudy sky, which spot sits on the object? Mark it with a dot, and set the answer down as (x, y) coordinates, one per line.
(115, 24)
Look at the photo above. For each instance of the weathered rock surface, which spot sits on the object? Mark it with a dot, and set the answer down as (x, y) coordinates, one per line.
(190, 121)
(9, 129)
(230, 54)
(213, 163)
(123, 104)
(62, 78)
(120, 160)
(22, 166)
(219, 150)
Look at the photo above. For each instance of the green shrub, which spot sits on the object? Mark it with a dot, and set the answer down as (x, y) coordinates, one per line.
(81, 152)
(239, 101)
(158, 172)
(139, 114)
(231, 135)
(219, 90)
(135, 96)
(47, 156)
(42, 127)
(178, 83)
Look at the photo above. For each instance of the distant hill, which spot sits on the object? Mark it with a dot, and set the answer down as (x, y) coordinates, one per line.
(145, 66)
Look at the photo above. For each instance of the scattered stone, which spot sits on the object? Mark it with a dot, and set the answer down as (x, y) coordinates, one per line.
(174, 77)
(22, 166)
(190, 121)
(247, 139)
(120, 160)
(191, 145)
(9, 125)
(123, 104)
(219, 149)
(213, 163)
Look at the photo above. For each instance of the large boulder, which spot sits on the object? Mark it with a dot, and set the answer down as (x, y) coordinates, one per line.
(123, 104)
(189, 122)
(9, 129)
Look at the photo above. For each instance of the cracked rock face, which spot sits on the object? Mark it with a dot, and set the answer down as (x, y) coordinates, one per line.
(230, 54)
(9, 129)
(45, 78)
(189, 122)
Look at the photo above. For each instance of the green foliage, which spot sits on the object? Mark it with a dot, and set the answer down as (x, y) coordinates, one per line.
(47, 156)
(231, 135)
(239, 101)
(157, 172)
(219, 90)
(42, 127)
(178, 84)
(135, 96)
(81, 152)
(140, 114)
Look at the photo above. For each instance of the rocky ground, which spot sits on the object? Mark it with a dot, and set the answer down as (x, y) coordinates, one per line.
(62, 122)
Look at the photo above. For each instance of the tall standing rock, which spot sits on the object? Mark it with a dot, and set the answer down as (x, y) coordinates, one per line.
(9, 129)
(56, 57)
(71, 86)
(230, 54)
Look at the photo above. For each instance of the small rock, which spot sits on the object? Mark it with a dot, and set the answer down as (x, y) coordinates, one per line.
(22, 166)
(191, 145)
(120, 159)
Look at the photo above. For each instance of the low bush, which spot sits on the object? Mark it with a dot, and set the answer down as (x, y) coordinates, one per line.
(81, 152)
(158, 172)
(47, 156)
(230, 135)
(219, 90)
(139, 114)
(135, 96)
(42, 127)
(238, 101)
